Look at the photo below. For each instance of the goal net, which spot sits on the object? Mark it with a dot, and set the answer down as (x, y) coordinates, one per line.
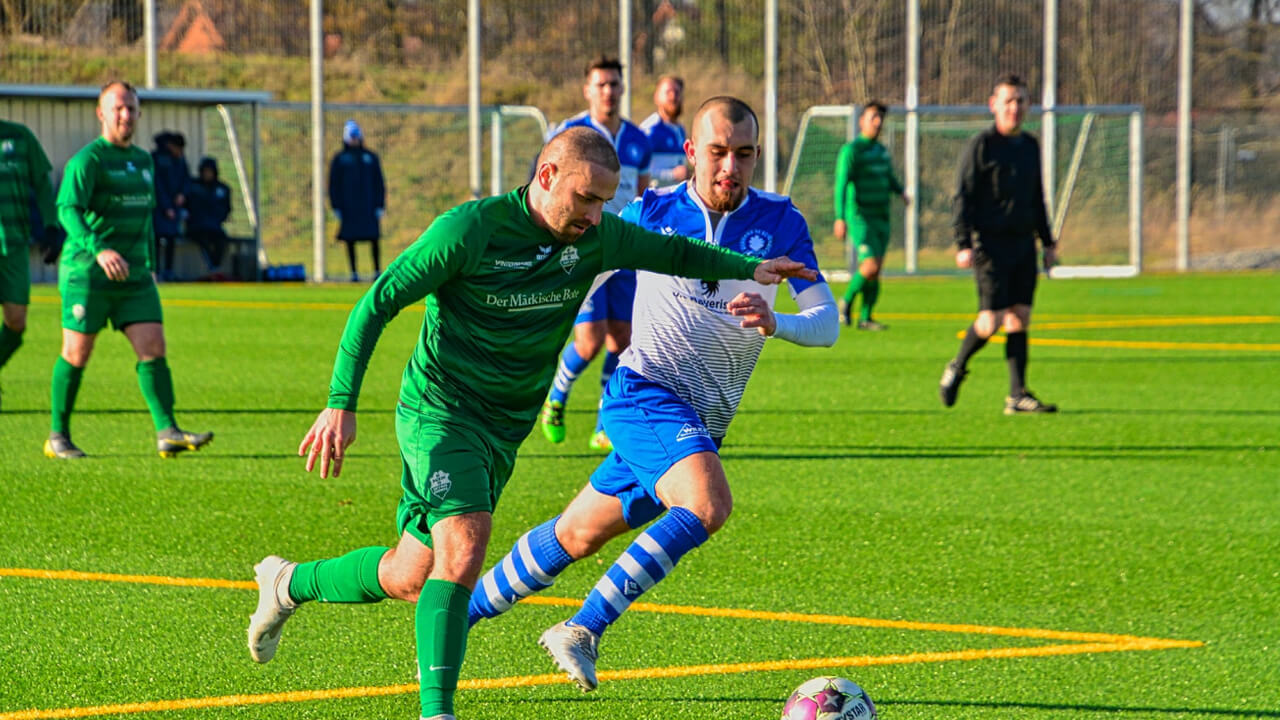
(1095, 206)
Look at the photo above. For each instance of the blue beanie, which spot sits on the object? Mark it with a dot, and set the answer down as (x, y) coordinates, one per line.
(351, 131)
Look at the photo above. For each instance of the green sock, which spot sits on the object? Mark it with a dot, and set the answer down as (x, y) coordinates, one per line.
(157, 389)
(441, 623)
(352, 578)
(66, 383)
(870, 291)
(10, 340)
(855, 286)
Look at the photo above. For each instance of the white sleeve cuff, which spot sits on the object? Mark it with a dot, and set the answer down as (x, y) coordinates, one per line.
(818, 322)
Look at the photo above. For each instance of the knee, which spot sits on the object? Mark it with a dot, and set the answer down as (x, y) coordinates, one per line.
(713, 512)
(1017, 320)
(462, 568)
(578, 541)
(985, 325)
(402, 585)
(16, 320)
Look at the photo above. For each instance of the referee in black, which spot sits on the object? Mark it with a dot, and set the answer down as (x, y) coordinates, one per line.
(999, 210)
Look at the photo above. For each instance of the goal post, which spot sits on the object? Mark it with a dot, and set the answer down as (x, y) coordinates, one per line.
(1097, 167)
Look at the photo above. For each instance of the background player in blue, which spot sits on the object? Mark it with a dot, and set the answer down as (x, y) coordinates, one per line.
(666, 134)
(604, 320)
(670, 403)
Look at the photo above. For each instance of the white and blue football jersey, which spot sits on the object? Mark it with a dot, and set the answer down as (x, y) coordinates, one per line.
(634, 155)
(682, 334)
(667, 141)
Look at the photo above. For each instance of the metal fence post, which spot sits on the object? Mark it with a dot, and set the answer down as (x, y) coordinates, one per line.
(317, 142)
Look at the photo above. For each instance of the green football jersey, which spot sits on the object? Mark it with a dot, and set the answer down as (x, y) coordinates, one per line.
(105, 201)
(501, 296)
(865, 183)
(24, 173)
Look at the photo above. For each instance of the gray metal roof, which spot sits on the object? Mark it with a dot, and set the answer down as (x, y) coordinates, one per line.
(172, 95)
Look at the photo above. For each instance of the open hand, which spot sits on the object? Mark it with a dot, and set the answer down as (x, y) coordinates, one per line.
(964, 258)
(114, 265)
(772, 272)
(329, 437)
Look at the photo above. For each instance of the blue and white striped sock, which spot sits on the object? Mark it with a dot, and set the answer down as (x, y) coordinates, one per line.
(531, 566)
(649, 559)
(570, 367)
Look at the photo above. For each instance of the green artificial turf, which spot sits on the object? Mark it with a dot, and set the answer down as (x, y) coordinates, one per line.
(1148, 507)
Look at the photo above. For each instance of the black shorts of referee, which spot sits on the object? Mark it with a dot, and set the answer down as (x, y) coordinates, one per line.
(1006, 271)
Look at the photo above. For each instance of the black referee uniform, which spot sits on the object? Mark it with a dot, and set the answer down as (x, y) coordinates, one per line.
(1000, 200)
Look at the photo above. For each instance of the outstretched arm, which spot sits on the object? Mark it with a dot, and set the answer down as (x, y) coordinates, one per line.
(816, 325)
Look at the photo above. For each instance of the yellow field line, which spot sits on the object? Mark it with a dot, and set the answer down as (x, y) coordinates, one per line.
(730, 613)
(1172, 321)
(521, 681)
(1145, 344)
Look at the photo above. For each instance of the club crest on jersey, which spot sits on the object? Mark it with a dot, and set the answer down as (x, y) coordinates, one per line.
(634, 152)
(569, 258)
(756, 243)
(691, 431)
(440, 483)
(146, 175)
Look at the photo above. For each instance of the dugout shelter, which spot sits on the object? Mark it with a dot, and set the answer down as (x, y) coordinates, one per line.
(63, 120)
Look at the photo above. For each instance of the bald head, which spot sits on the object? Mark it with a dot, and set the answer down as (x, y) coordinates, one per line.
(118, 112)
(729, 108)
(580, 144)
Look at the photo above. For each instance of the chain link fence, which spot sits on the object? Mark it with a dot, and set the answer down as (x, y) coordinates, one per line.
(413, 52)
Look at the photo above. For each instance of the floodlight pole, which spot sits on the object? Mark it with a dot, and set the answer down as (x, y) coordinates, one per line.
(771, 95)
(624, 53)
(1185, 37)
(1049, 102)
(317, 142)
(474, 129)
(149, 39)
(911, 143)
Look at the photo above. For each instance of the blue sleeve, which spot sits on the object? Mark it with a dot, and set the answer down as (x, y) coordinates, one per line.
(647, 158)
(633, 211)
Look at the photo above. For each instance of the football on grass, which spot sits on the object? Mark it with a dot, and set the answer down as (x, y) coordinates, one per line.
(829, 698)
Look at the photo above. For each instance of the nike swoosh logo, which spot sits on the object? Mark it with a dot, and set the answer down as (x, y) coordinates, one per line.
(437, 668)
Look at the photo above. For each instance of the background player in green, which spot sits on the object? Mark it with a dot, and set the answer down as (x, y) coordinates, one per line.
(24, 176)
(503, 278)
(864, 187)
(105, 204)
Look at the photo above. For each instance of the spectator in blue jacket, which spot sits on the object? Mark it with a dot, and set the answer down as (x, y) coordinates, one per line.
(208, 207)
(171, 180)
(357, 195)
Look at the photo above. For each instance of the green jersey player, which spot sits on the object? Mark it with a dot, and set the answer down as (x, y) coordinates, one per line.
(864, 187)
(24, 177)
(503, 278)
(105, 205)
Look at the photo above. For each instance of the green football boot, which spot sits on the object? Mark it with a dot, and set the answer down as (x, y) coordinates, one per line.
(552, 420)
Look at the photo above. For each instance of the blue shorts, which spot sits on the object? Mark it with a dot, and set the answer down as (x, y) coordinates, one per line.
(651, 430)
(610, 301)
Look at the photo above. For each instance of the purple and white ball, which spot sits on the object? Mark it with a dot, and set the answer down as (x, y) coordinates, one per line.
(829, 698)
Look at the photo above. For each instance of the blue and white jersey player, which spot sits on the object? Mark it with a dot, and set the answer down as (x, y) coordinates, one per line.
(604, 321)
(670, 403)
(666, 135)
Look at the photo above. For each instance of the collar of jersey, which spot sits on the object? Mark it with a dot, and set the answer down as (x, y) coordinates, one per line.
(713, 236)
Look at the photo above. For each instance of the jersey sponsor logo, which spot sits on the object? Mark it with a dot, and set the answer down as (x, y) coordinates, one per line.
(569, 258)
(756, 243)
(708, 302)
(521, 302)
(710, 287)
(512, 264)
(440, 484)
(691, 431)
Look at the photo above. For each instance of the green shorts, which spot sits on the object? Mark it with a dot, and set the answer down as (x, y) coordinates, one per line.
(870, 237)
(87, 310)
(449, 469)
(15, 275)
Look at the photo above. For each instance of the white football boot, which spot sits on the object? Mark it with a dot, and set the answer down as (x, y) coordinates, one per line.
(574, 650)
(274, 606)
